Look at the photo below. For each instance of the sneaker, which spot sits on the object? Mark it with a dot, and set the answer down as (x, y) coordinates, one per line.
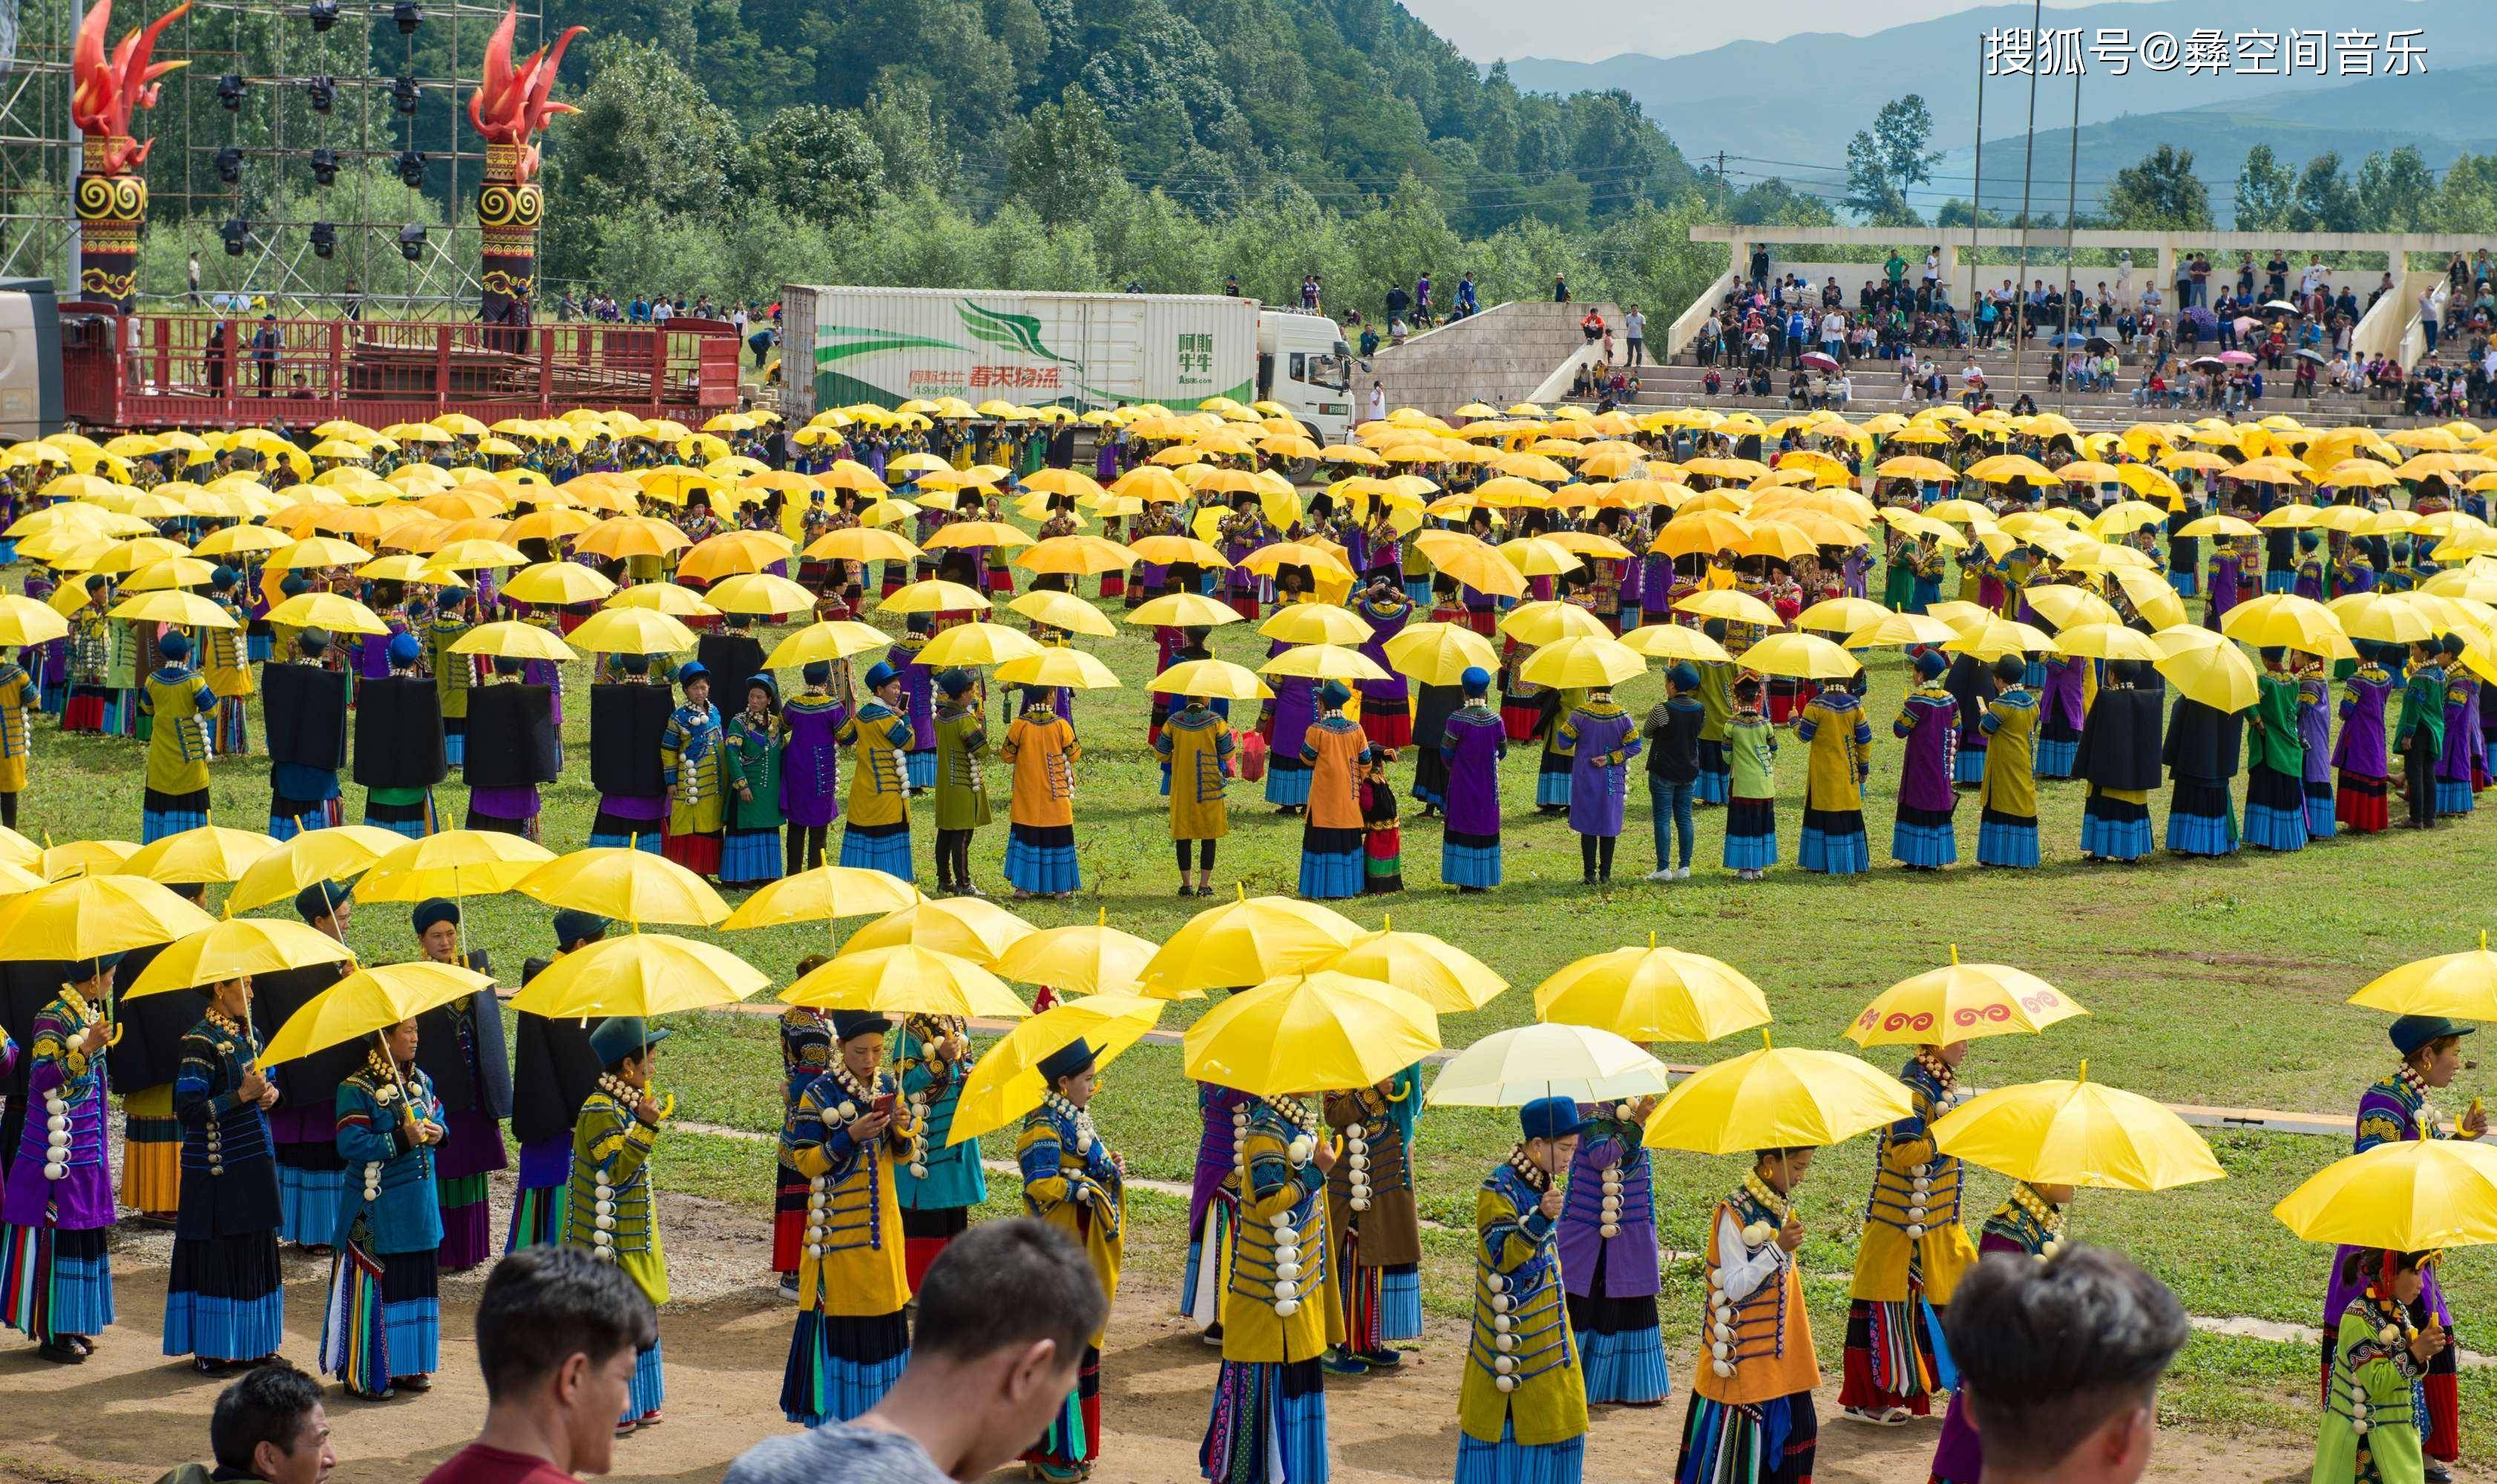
(1341, 1362)
(789, 1286)
(1381, 1359)
(1681, 873)
(1213, 1336)
(1662, 874)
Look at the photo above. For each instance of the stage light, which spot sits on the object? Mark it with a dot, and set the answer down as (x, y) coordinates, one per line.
(411, 168)
(403, 92)
(325, 239)
(325, 166)
(238, 235)
(324, 91)
(324, 15)
(411, 241)
(230, 165)
(230, 89)
(409, 15)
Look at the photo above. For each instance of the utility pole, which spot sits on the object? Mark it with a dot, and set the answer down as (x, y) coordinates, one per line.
(2071, 207)
(1977, 195)
(2028, 170)
(1724, 202)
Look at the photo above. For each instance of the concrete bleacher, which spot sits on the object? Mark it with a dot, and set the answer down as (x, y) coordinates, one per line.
(1505, 353)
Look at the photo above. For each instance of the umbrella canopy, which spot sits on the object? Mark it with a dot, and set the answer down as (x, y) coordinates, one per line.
(209, 853)
(368, 1001)
(2077, 1133)
(2461, 986)
(1903, 629)
(825, 894)
(1800, 656)
(1510, 1068)
(634, 631)
(512, 638)
(1961, 1002)
(17, 850)
(1777, 1098)
(1653, 994)
(640, 973)
(833, 640)
(2069, 607)
(1995, 638)
(455, 862)
(977, 644)
(2410, 1197)
(233, 948)
(1440, 654)
(970, 928)
(1732, 606)
(1841, 615)
(907, 980)
(2217, 674)
(1445, 977)
(332, 610)
(933, 597)
(1246, 940)
(626, 885)
(1317, 623)
(2108, 641)
(1217, 678)
(1085, 959)
(1673, 641)
(1064, 611)
(1070, 668)
(2288, 620)
(315, 855)
(1322, 662)
(555, 581)
(1006, 1084)
(1309, 1032)
(88, 916)
(1581, 663)
(1184, 610)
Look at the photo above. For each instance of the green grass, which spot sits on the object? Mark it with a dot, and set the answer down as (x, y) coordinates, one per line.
(2215, 983)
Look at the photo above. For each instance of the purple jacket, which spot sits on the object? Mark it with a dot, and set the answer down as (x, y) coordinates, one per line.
(1473, 744)
(1386, 621)
(1215, 1154)
(2061, 699)
(1296, 709)
(1598, 786)
(811, 784)
(2460, 760)
(81, 1199)
(1628, 1257)
(2314, 725)
(918, 695)
(2362, 748)
(1928, 723)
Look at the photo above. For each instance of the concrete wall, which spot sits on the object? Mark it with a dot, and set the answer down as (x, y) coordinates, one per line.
(1501, 355)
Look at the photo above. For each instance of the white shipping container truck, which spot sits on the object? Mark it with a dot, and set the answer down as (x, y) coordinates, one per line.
(841, 346)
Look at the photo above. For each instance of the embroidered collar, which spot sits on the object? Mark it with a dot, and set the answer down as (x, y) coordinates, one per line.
(1537, 1180)
(1767, 1199)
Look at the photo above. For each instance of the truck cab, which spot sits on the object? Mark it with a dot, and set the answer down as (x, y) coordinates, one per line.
(1303, 364)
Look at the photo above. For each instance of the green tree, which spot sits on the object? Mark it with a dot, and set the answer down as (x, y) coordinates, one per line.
(2266, 192)
(817, 164)
(1891, 159)
(646, 140)
(2395, 191)
(901, 119)
(2159, 190)
(2324, 201)
(1061, 159)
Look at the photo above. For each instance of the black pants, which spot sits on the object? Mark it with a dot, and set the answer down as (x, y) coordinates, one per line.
(953, 858)
(9, 811)
(1596, 854)
(1637, 350)
(807, 842)
(1205, 847)
(2419, 777)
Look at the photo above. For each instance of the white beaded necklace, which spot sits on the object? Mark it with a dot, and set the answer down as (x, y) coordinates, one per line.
(1081, 1118)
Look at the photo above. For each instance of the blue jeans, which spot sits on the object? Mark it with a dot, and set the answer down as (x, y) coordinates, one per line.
(1670, 803)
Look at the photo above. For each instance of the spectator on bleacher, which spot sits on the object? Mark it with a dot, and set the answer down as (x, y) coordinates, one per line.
(1634, 330)
(1467, 306)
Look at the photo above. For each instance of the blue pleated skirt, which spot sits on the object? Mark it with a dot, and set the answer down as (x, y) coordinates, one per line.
(1327, 875)
(2453, 796)
(1267, 1425)
(1041, 860)
(1551, 790)
(1912, 844)
(56, 1282)
(750, 857)
(1510, 1461)
(1400, 1303)
(2114, 837)
(1417, 592)
(224, 1301)
(1624, 1366)
(2055, 758)
(921, 767)
(650, 839)
(2201, 833)
(2004, 843)
(455, 745)
(1968, 766)
(308, 1204)
(1287, 785)
(1716, 779)
(1834, 852)
(257, 646)
(877, 848)
(155, 823)
(649, 1386)
(1750, 833)
(2272, 829)
(2320, 825)
(1470, 865)
(824, 1383)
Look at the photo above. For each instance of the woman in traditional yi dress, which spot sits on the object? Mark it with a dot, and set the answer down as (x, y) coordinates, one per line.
(225, 1305)
(383, 1328)
(55, 1273)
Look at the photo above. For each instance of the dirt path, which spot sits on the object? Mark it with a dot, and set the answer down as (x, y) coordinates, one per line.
(129, 1413)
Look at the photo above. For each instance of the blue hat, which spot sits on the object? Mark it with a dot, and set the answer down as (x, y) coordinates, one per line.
(2412, 1031)
(880, 674)
(1931, 663)
(295, 583)
(451, 597)
(916, 623)
(764, 678)
(1550, 1118)
(83, 969)
(171, 645)
(1067, 1062)
(507, 664)
(432, 910)
(321, 900)
(1334, 693)
(223, 578)
(403, 649)
(313, 642)
(817, 672)
(850, 1024)
(619, 1036)
(574, 926)
(1683, 676)
(634, 664)
(1475, 680)
(954, 683)
(692, 671)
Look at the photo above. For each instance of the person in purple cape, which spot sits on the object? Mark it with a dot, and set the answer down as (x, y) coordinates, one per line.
(1600, 739)
(1608, 1258)
(55, 1272)
(918, 700)
(1922, 839)
(810, 780)
(1474, 743)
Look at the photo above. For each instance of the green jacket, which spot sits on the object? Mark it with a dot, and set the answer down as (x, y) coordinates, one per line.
(749, 756)
(2422, 708)
(2278, 744)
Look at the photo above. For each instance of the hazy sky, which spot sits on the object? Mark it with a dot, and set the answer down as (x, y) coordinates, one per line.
(1589, 30)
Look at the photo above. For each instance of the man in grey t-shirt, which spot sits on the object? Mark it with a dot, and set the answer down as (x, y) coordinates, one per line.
(1004, 1316)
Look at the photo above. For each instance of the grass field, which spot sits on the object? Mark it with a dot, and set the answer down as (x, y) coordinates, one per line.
(2212, 983)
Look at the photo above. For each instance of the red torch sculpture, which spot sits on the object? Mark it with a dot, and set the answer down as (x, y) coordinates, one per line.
(509, 108)
(109, 196)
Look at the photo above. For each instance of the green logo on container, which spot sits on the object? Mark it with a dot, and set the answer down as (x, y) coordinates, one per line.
(1014, 332)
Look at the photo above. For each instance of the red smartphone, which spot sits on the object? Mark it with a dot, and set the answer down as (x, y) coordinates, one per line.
(884, 1104)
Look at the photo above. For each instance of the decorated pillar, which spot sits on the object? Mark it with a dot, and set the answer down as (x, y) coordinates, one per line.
(509, 108)
(109, 196)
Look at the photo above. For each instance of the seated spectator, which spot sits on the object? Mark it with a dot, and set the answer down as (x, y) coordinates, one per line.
(1712, 383)
(557, 1336)
(269, 1426)
(1592, 326)
(1004, 1316)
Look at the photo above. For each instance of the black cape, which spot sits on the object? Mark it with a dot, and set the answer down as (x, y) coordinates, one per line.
(307, 1081)
(305, 707)
(1433, 706)
(2204, 744)
(553, 1072)
(626, 722)
(398, 734)
(732, 658)
(487, 1086)
(2119, 746)
(512, 741)
(1970, 683)
(149, 1052)
(24, 990)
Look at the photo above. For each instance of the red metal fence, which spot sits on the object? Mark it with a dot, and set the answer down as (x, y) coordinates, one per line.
(149, 370)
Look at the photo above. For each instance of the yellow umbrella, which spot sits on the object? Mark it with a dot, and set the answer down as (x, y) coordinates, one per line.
(640, 973)
(512, 638)
(626, 885)
(933, 597)
(315, 855)
(2287, 620)
(1066, 611)
(86, 917)
(2150, 596)
(1322, 662)
(1903, 629)
(905, 979)
(1317, 623)
(332, 611)
(1217, 678)
(634, 631)
(665, 598)
(233, 948)
(209, 853)
(14, 879)
(1996, 638)
(1551, 620)
(2107, 641)
(17, 850)
(25, 621)
(1800, 656)
(1006, 1084)
(1184, 610)
(2067, 607)
(977, 644)
(172, 606)
(1444, 976)
(862, 543)
(454, 863)
(760, 593)
(1440, 654)
(965, 927)
(1583, 664)
(2461, 986)
(83, 858)
(317, 551)
(1512, 1067)
(1085, 959)
(1672, 640)
(1070, 668)
(2217, 674)
(367, 1000)
(2077, 1133)
(1075, 556)
(1308, 1033)
(1841, 615)
(1246, 940)
(824, 894)
(2378, 616)
(831, 640)
(2415, 1196)
(1731, 605)
(1777, 1098)
(557, 583)
(1653, 994)
(1961, 1002)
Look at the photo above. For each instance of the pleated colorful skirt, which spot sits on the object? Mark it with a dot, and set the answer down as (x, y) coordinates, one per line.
(877, 848)
(416, 820)
(384, 1318)
(538, 1204)
(698, 853)
(455, 741)
(55, 1280)
(2453, 796)
(750, 857)
(1040, 859)
(472, 1148)
(1208, 1273)
(1621, 1348)
(1923, 837)
(925, 1232)
(226, 1300)
(2321, 821)
(309, 1179)
(1510, 1461)
(1834, 842)
(624, 832)
(1968, 767)
(1715, 778)
(2055, 757)
(151, 1152)
(1268, 1424)
(2360, 803)
(2115, 825)
(789, 1192)
(1288, 782)
(2201, 819)
(2275, 810)
(161, 813)
(1468, 859)
(2006, 839)
(921, 767)
(1750, 833)
(1332, 862)
(1074, 1437)
(840, 1365)
(1895, 1355)
(649, 1389)
(1552, 784)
